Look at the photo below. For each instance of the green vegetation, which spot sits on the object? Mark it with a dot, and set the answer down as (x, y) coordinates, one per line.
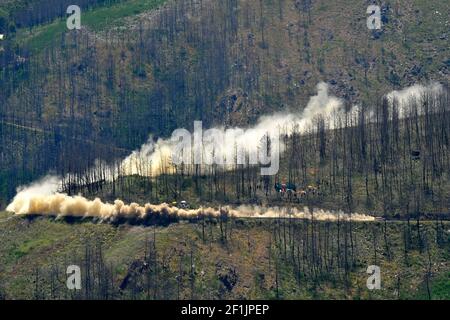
(98, 19)
(66, 101)
(441, 287)
(113, 16)
(250, 259)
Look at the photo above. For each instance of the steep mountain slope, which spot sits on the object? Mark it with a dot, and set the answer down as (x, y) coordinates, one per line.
(245, 260)
(146, 67)
(69, 97)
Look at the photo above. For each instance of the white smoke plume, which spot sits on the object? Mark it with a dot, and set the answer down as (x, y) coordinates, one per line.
(413, 94)
(225, 146)
(41, 188)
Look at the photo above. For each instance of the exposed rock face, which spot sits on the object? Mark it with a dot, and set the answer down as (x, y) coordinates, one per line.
(227, 275)
(235, 108)
(137, 268)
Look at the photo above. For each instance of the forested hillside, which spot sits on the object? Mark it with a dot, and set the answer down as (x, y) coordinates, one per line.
(224, 259)
(70, 97)
(363, 119)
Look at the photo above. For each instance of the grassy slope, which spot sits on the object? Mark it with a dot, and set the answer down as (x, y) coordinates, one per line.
(27, 245)
(98, 19)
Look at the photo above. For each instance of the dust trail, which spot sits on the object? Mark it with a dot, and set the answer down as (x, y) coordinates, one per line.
(43, 197)
(61, 205)
(41, 188)
(228, 144)
(413, 94)
(224, 143)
